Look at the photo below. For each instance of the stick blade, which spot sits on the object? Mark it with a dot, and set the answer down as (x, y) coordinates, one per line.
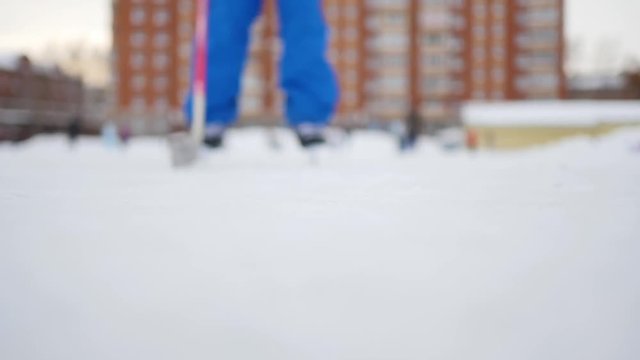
(184, 150)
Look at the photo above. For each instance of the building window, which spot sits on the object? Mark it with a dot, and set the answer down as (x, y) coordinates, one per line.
(478, 75)
(186, 6)
(186, 30)
(479, 53)
(138, 39)
(350, 98)
(479, 31)
(161, 40)
(185, 51)
(161, 84)
(161, 104)
(137, 16)
(138, 82)
(160, 61)
(137, 60)
(161, 17)
(138, 104)
(480, 10)
(350, 56)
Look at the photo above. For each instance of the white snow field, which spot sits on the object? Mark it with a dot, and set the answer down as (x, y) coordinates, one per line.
(370, 255)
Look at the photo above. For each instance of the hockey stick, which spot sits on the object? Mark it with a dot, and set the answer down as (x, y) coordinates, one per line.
(184, 147)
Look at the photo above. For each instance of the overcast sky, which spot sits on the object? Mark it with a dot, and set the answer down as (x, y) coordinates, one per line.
(605, 32)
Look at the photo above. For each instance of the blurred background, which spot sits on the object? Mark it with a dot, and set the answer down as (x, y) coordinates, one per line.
(126, 63)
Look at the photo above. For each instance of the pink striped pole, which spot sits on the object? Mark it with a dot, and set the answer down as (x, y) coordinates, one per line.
(200, 71)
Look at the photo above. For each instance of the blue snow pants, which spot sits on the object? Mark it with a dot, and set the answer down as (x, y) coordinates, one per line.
(307, 78)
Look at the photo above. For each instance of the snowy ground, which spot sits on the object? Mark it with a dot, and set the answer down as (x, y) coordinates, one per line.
(257, 255)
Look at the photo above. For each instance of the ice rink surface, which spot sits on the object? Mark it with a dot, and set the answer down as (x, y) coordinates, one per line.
(258, 254)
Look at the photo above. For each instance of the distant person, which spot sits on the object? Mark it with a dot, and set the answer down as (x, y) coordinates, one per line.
(74, 128)
(413, 130)
(110, 136)
(306, 76)
(124, 131)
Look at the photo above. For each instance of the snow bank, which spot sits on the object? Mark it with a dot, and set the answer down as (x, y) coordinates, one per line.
(551, 113)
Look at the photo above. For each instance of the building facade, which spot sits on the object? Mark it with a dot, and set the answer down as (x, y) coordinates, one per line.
(390, 56)
(35, 98)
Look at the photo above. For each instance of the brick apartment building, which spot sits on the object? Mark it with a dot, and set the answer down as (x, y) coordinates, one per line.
(35, 98)
(390, 55)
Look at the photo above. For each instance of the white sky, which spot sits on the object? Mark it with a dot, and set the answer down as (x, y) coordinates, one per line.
(605, 30)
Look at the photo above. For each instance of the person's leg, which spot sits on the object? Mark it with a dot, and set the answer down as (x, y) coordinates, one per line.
(307, 78)
(228, 38)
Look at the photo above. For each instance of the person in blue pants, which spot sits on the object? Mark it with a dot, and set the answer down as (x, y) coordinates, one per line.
(307, 78)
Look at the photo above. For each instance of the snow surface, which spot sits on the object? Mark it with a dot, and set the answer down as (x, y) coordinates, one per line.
(257, 254)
